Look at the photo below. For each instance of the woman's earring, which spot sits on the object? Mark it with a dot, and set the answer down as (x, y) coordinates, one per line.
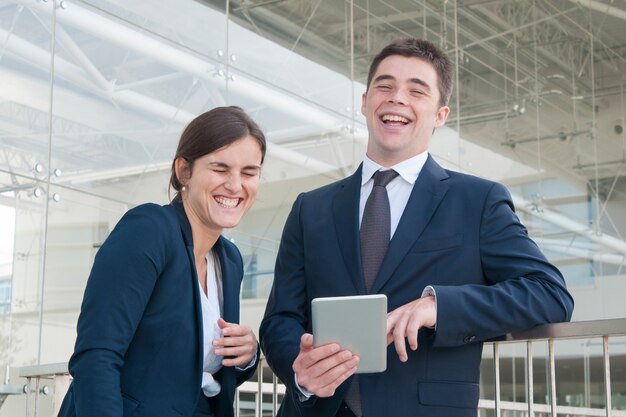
(184, 188)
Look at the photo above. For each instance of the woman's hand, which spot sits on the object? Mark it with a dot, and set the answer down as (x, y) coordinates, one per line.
(238, 344)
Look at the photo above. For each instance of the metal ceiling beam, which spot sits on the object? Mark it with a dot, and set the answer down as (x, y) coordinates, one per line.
(601, 7)
(130, 39)
(550, 216)
(71, 72)
(565, 247)
(502, 23)
(592, 36)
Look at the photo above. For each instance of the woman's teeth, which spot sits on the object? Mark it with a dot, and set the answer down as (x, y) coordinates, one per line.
(227, 202)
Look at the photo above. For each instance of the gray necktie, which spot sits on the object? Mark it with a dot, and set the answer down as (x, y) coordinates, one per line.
(375, 235)
(376, 227)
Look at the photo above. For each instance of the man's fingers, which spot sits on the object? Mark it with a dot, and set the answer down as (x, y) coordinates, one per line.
(320, 360)
(396, 331)
(402, 326)
(412, 329)
(306, 342)
(399, 334)
(324, 377)
(322, 369)
(312, 356)
(392, 318)
(329, 390)
(406, 321)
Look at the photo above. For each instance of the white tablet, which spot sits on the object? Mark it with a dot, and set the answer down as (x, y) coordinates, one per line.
(357, 323)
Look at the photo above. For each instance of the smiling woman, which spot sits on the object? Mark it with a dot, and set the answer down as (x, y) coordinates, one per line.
(216, 170)
(220, 187)
(162, 300)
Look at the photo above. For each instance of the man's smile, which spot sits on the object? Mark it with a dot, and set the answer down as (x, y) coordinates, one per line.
(394, 119)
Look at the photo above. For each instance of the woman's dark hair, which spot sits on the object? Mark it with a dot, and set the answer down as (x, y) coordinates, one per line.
(211, 131)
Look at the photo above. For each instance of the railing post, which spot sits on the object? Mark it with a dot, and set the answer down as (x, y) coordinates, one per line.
(28, 396)
(496, 362)
(259, 403)
(607, 375)
(61, 385)
(552, 377)
(530, 379)
(37, 394)
(274, 395)
(587, 374)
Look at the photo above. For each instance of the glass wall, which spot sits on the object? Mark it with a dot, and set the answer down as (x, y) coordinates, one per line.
(94, 95)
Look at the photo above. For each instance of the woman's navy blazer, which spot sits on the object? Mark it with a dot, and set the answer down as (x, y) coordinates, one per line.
(139, 349)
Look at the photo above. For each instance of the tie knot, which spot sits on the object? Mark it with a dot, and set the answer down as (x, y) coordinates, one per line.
(383, 178)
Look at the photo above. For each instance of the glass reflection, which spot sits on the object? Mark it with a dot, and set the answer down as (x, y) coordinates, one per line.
(539, 105)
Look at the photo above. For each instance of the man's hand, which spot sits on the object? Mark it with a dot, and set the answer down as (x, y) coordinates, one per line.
(321, 370)
(406, 320)
(238, 342)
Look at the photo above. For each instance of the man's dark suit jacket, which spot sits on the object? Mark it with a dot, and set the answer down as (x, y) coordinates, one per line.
(458, 233)
(139, 350)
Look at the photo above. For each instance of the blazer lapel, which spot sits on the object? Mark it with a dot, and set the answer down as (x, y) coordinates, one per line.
(230, 283)
(346, 216)
(428, 191)
(185, 228)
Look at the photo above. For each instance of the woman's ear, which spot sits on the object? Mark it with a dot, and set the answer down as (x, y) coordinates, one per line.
(183, 170)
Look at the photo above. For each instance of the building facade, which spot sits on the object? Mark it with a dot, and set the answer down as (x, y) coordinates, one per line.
(95, 93)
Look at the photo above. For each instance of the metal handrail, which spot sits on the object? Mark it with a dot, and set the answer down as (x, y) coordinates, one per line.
(597, 329)
(60, 377)
(600, 329)
(603, 329)
(572, 330)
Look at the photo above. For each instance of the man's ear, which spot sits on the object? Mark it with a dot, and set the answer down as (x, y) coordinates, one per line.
(363, 103)
(441, 116)
(183, 170)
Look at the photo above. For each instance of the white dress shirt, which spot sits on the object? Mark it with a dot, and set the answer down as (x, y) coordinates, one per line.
(399, 189)
(212, 308)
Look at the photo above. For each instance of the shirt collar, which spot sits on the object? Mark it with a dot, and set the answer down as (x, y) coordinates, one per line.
(408, 169)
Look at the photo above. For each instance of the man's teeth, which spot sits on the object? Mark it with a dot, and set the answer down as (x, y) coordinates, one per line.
(227, 202)
(394, 118)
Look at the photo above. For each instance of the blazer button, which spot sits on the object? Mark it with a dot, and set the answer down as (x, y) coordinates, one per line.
(469, 339)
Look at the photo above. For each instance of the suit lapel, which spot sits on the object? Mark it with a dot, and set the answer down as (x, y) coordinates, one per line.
(346, 217)
(185, 229)
(230, 283)
(427, 193)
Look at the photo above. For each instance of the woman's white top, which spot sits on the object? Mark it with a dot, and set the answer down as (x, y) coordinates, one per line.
(212, 309)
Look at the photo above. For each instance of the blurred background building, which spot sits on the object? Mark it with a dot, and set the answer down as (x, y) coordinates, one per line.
(94, 95)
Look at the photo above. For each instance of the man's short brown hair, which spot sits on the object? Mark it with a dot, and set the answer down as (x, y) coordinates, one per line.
(418, 48)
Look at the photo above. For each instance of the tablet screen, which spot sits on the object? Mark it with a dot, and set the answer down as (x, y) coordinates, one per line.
(357, 323)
